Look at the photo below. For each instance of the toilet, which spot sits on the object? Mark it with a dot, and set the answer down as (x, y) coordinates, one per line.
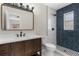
(48, 46)
(49, 49)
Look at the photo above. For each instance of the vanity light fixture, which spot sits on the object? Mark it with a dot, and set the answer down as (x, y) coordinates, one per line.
(20, 6)
(27, 7)
(32, 9)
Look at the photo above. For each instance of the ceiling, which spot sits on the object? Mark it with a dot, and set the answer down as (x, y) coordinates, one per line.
(56, 6)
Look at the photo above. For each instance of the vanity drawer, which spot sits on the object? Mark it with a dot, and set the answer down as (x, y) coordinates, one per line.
(28, 47)
(5, 50)
(17, 49)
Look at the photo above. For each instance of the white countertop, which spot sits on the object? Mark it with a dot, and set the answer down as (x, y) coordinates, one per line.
(16, 39)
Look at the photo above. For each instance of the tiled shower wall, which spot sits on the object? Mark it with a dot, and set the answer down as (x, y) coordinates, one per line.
(68, 38)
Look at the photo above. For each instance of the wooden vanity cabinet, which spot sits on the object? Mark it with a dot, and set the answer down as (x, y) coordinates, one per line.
(17, 49)
(37, 45)
(22, 48)
(5, 50)
(29, 47)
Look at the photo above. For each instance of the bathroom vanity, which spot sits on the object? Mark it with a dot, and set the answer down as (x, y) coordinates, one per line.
(18, 19)
(30, 47)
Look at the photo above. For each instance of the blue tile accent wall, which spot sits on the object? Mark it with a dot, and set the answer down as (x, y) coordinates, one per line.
(68, 38)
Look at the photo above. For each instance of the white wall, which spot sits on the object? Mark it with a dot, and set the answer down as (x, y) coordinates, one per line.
(51, 37)
(51, 24)
(40, 23)
(41, 19)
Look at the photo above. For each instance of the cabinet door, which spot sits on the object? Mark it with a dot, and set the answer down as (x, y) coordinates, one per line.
(5, 50)
(17, 49)
(37, 44)
(29, 47)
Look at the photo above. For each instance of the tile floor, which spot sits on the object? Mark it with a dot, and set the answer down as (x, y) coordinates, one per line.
(46, 52)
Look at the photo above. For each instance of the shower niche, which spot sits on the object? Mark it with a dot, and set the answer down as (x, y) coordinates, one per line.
(16, 18)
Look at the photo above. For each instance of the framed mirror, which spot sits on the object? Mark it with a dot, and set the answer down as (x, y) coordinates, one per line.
(69, 20)
(16, 19)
